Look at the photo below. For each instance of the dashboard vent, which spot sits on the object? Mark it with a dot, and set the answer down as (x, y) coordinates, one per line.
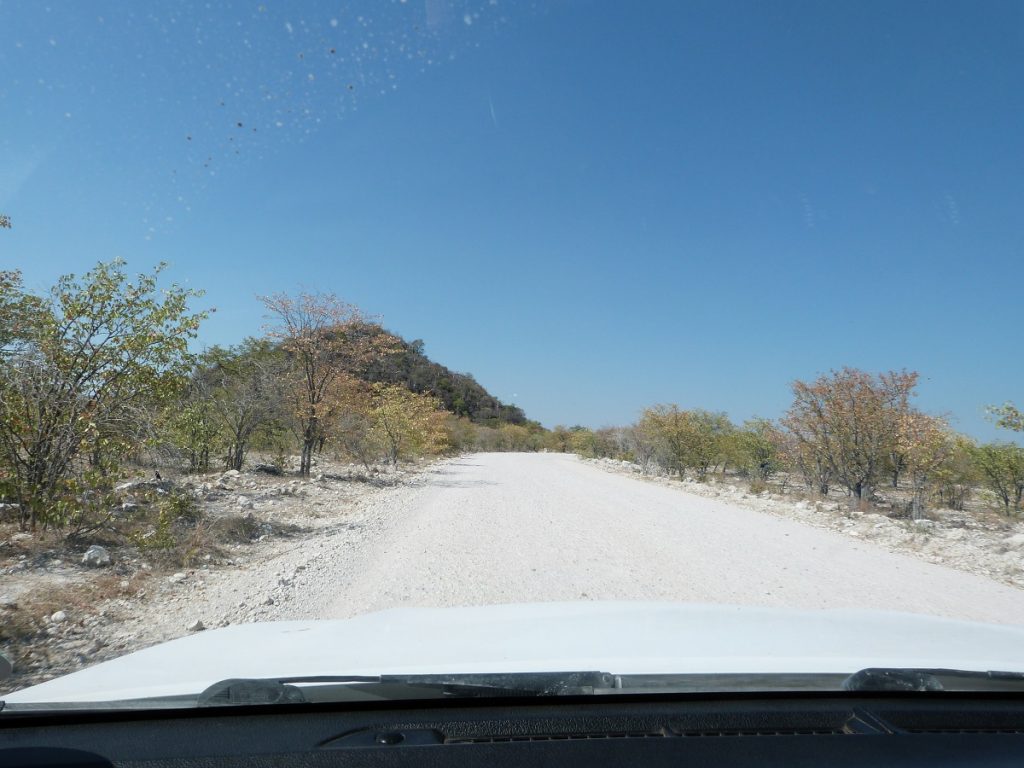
(554, 737)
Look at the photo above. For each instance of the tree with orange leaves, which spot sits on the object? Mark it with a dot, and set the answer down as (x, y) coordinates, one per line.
(849, 420)
(326, 340)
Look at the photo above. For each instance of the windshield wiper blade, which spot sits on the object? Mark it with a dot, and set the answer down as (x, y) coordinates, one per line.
(287, 690)
(910, 679)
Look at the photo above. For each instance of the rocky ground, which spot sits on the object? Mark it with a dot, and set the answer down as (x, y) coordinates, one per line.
(984, 543)
(77, 604)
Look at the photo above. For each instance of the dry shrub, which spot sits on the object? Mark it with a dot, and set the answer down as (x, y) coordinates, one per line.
(239, 529)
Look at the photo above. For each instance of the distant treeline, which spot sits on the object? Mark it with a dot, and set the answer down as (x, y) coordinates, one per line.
(848, 430)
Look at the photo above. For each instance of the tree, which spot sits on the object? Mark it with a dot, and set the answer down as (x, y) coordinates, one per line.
(926, 444)
(326, 341)
(194, 429)
(1007, 416)
(1002, 470)
(666, 424)
(245, 392)
(560, 439)
(848, 421)
(78, 365)
(407, 424)
(759, 449)
(687, 439)
(640, 444)
(5, 221)
(958, 475)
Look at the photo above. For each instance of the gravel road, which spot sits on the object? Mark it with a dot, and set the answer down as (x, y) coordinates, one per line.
(499, 528)
(509, 528)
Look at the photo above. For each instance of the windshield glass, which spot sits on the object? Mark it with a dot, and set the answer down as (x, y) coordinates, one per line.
(615, 346)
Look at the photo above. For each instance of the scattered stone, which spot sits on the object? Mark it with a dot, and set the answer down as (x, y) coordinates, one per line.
(8, 603)
(231, 473)
(1016, 541)
(244, 502)
(96, 556)
(177, 578)
(269, 600)
(59, 617)
(196, 626)
(21, 537)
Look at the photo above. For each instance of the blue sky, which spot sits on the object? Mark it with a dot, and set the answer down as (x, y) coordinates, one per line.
(591, 206)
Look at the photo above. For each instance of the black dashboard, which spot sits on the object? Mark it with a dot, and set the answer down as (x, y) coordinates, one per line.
(791, 730)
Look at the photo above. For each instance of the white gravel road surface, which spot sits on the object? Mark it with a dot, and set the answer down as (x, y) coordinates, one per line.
(503, 528)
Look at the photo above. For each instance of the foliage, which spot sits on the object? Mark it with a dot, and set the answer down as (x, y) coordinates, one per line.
(758, 449)
(926, 444)
(1007, 416)
(1002, 469)
(696, 440)
(848, 422)
(407, 424)
(5, 221)
(957, 475)
(79, 366)
(326, 341)
(459, 393)
(194, 429)
(243, 385)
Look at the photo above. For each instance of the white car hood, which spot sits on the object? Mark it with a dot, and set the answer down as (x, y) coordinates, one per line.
(621, 638)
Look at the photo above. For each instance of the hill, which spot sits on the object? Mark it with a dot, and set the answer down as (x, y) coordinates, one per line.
(460, 393)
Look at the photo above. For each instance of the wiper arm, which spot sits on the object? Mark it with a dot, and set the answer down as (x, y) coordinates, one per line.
(899, 679)
(286, 690)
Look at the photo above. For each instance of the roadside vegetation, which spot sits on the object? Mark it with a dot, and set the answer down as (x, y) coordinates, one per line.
(848, 433)
(99, 381)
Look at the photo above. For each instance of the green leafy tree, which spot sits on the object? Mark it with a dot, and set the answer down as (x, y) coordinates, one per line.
(1007, 416)
(759, 449)
(78, 367)
(958, 475)
(694, 440)
(244, 387)
(408, 424)
(1002, 470)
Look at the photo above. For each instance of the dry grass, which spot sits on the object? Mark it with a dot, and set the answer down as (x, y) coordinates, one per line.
(23, 626)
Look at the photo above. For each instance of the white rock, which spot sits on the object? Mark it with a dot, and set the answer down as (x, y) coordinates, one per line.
(96, 556)
(6, 601)
(59, 617)
(244, 502)
(177, 578)
(1016, 541)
